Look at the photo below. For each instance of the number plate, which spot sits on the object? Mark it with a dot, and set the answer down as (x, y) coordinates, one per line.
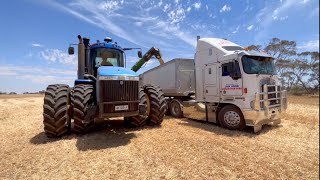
(121, 108)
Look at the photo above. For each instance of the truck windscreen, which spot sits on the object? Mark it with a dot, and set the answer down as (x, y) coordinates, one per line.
(106, 57)
(258, 65)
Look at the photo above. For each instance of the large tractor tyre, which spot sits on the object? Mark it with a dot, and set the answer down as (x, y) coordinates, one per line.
(83, 97)
(176, 109)
(231, 118)
(141, 119)
(56, 106)
(157, 105)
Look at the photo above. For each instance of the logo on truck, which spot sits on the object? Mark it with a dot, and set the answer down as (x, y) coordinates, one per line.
(232, 87)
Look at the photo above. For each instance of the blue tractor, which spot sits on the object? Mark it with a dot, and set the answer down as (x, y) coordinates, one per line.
(104, 89)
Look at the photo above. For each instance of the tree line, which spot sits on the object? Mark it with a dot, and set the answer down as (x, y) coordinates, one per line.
(298, 71)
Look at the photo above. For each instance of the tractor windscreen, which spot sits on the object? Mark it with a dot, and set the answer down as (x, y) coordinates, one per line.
(258, 65)
(107, 57)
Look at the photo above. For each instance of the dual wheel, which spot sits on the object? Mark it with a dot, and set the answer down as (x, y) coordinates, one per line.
(60, 105)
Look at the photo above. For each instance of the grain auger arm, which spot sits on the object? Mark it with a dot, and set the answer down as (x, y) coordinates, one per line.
(146, 57)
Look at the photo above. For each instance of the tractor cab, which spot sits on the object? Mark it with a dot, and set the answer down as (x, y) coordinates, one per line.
(107, 53)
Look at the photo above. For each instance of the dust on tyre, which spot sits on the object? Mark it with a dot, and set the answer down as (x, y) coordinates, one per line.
(231, 118)
(157, 104)
(55, 110)
(141, 119)
(83, 97)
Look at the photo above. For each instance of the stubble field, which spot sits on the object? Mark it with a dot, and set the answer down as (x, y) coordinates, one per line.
(179, 149)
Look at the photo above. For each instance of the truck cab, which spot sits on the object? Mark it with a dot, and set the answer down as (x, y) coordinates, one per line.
(227, 74)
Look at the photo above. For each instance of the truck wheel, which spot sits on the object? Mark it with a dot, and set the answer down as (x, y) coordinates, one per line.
(157, 105)
(55, 110)
(231, 118)
(176, 109)
(141, 119)
(83, 97)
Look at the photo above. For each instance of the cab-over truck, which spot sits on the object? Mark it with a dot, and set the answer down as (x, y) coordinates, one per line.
(224, 83)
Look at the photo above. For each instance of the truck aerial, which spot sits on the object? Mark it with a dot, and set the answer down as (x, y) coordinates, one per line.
(104, 89)
(224, 84)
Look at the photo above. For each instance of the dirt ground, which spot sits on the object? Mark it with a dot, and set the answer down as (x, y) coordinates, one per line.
(179, 149)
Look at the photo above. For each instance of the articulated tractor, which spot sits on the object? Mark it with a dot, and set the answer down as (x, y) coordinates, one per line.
(104, 89)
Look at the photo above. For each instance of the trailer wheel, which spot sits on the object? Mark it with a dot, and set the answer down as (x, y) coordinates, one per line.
(56, 110)
(176, 109)
(141, 119)
(231, 118)
(157, 104)
(83, 97)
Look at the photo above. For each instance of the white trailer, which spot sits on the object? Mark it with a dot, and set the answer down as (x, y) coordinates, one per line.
(224, 84)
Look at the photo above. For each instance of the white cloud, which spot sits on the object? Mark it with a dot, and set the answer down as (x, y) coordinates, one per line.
(110, 5)
(249, 28)
(274, 12)
(99, 19)
(49, 79)
(310, 45)
(177, 15)
(41, 71)
(236, 30)
(56, 55)
(189, 9)
(225, 8)
(139, 23)
(36, 45)
(197, 5)
(305, 1)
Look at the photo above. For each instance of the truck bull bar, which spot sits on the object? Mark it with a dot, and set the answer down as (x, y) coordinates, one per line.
(269, 104)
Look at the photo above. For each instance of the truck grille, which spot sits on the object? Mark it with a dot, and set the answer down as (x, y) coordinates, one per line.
(119, 90)
(271, 91)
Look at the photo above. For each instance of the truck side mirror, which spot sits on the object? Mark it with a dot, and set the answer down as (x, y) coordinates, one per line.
(139, 54)
(71, 50)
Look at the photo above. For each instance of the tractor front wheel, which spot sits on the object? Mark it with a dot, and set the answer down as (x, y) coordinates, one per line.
(83, 98)
(55, 110)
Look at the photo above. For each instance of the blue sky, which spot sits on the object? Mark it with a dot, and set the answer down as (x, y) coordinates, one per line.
(35, 35)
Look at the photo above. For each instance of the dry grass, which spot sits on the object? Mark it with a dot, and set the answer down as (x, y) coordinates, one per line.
(179, 149)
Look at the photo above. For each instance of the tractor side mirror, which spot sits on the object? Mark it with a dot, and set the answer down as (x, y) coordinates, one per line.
(140, 54)
(71, 50)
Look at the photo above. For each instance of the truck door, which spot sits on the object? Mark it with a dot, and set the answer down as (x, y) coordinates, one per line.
(211, 83)
(229, 86)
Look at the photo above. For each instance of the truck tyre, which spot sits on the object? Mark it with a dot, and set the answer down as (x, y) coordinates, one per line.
(141, 119)
(231, 118)
(83, 97)
(176, 109)
(56, 110)
(157, 104)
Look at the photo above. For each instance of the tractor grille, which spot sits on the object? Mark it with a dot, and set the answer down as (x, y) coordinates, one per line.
(119, 90)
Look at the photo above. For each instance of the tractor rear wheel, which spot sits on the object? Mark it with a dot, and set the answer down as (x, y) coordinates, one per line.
(56, 106)
(83, 97)
(141, 119)
(157, 105)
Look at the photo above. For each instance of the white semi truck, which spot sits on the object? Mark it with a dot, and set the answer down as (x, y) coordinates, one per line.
(224, 84)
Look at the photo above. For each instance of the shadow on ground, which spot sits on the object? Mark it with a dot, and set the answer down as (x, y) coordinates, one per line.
(107, 134)
(217, 129)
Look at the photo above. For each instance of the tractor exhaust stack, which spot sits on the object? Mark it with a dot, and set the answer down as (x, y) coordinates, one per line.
(81, 58)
